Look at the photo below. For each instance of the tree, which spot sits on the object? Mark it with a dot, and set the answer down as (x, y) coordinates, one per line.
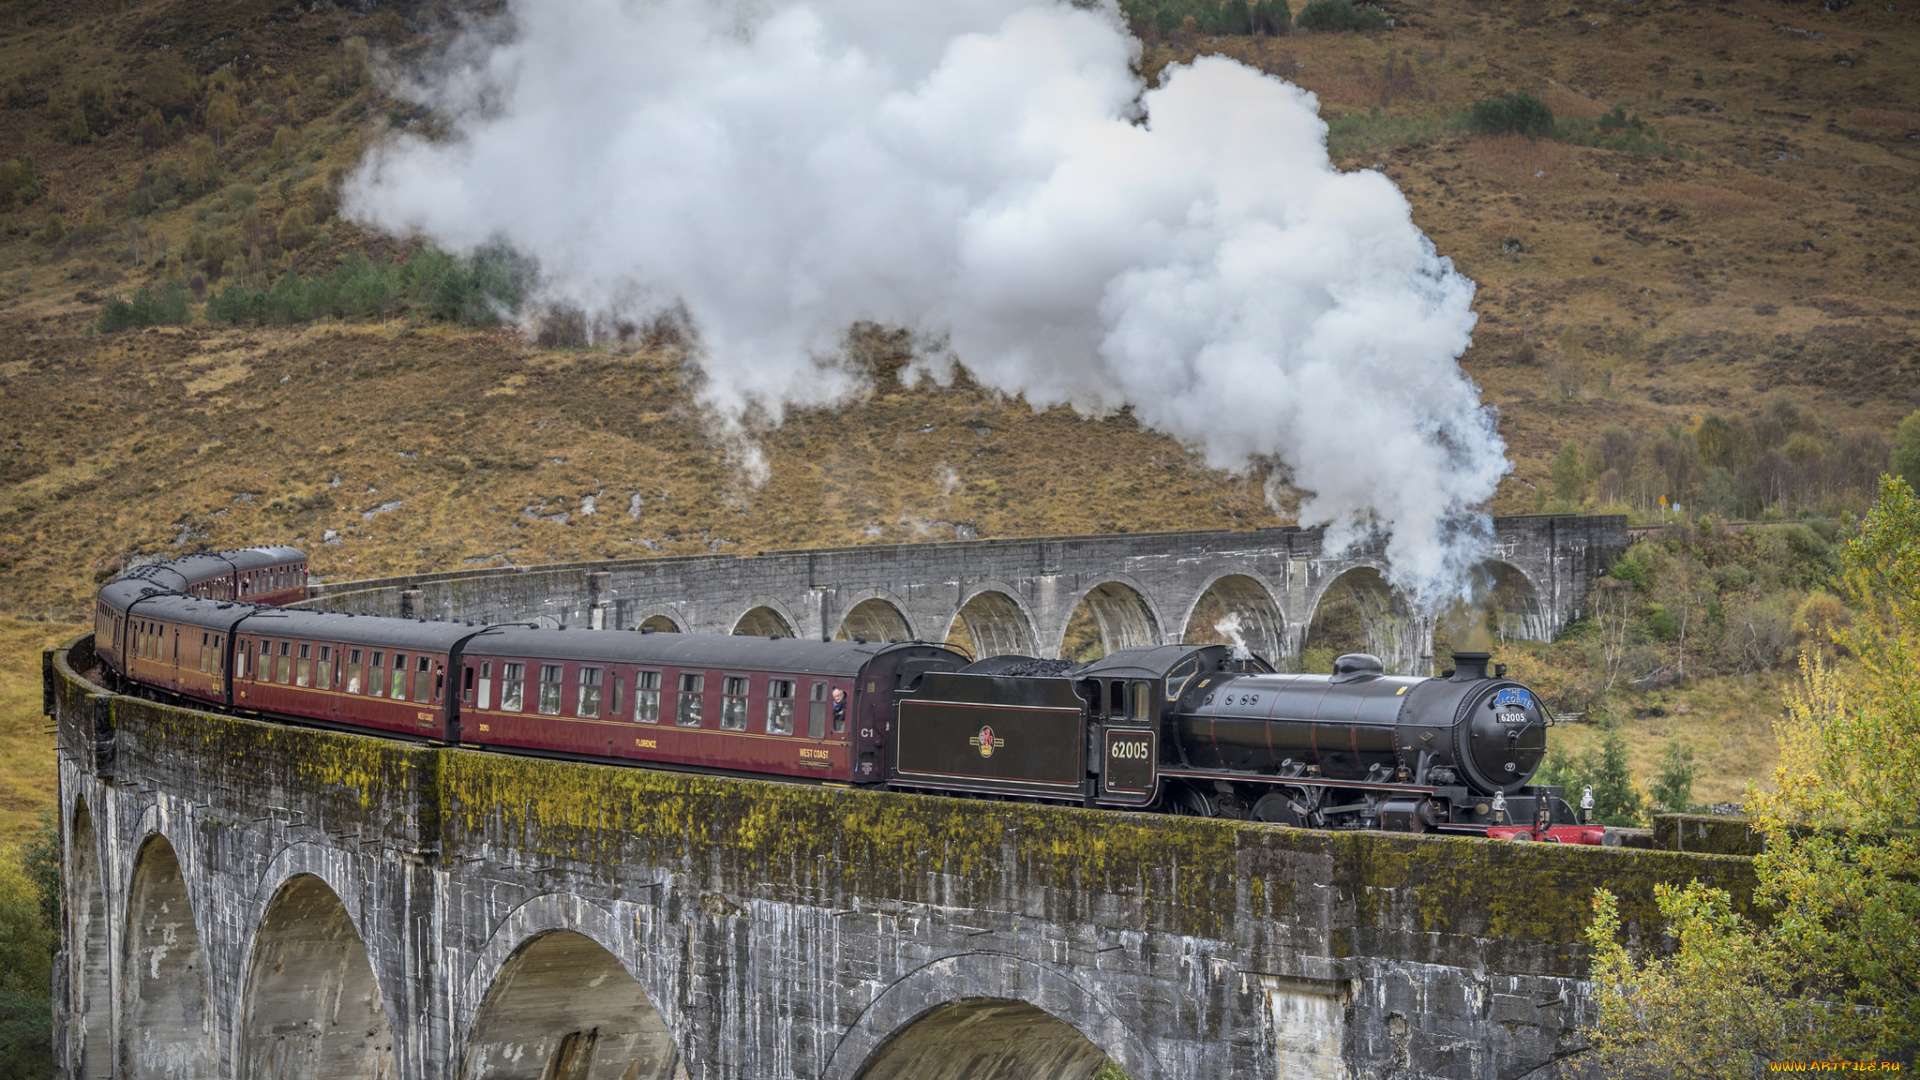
(1569, 471)
(29, 913)
(1602, 767)
(1906, 453)
(1672, 788)
(1831, 971)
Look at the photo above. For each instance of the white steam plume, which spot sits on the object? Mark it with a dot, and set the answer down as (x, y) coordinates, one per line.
(989, 173)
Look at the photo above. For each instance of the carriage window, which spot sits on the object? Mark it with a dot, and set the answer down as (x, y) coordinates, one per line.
(779, 706)
(619, 695)
(399, 677)
(423, 680)
(550, 689)
(326, 667)
(1138, 694)
(283, 672)
(303, 671)
(354, 667)
(219, 654)
(377, 675)
(206, 652)
(733, 703)
(646, 697)
(486, 684)
(242, 652)
(513, 686)
(1182, 674)
(687, 714)
(817, 712)
(588, 703)
(466, 688)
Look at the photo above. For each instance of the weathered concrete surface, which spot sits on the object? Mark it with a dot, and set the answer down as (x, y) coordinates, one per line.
(365, 907)
(1014, 595)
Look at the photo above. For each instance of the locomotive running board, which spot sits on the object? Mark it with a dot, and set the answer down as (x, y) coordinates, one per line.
(1302, 781)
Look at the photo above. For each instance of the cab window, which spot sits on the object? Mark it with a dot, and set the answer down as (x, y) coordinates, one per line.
(1180, 676)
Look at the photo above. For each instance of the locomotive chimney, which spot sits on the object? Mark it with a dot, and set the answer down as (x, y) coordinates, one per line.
(1470, 666)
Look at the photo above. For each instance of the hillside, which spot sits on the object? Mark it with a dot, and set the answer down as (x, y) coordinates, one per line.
(1743, 267)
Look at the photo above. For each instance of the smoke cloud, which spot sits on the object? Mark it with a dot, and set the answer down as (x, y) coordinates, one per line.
(992, 175)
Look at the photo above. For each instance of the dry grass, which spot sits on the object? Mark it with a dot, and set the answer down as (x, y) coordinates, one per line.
(1727, 721)
(26, 746)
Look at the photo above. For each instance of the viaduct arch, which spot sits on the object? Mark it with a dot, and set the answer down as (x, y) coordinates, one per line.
(1016, 595)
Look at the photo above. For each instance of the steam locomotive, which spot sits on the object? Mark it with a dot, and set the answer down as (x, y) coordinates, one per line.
(1190, 729)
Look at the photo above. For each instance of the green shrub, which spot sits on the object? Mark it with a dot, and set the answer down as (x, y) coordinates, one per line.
(1340, 15)
(1212, 16)
(162, 306)
(1518, 113)
(484, 289)
(18, 183)
(1906, 453)
(1616, 129)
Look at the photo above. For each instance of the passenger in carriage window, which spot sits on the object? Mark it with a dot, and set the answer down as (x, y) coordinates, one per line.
(513, 686)
(839, 709)
(779, 706)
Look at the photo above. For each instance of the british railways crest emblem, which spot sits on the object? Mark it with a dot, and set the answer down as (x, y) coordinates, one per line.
(986, 742)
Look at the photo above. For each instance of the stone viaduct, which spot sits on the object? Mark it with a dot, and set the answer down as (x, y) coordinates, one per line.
(1019, 595)
(251, 900)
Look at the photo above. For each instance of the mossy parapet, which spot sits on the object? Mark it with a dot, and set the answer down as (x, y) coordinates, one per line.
(1704, 834)
(1427, 899)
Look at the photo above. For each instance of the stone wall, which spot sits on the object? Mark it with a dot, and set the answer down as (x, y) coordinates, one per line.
(315, 904)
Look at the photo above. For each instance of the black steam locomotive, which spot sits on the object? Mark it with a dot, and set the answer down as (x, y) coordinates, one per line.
(1190, 729)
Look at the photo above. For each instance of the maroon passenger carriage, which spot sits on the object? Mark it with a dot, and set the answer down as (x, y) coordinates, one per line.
(762, 706)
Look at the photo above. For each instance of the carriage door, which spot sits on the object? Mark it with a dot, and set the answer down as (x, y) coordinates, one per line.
(873, 718)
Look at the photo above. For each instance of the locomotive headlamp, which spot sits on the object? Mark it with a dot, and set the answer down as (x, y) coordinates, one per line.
(1499, 808)
(1586, 806)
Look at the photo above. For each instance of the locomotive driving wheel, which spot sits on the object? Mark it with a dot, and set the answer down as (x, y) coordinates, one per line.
(1282, 808)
